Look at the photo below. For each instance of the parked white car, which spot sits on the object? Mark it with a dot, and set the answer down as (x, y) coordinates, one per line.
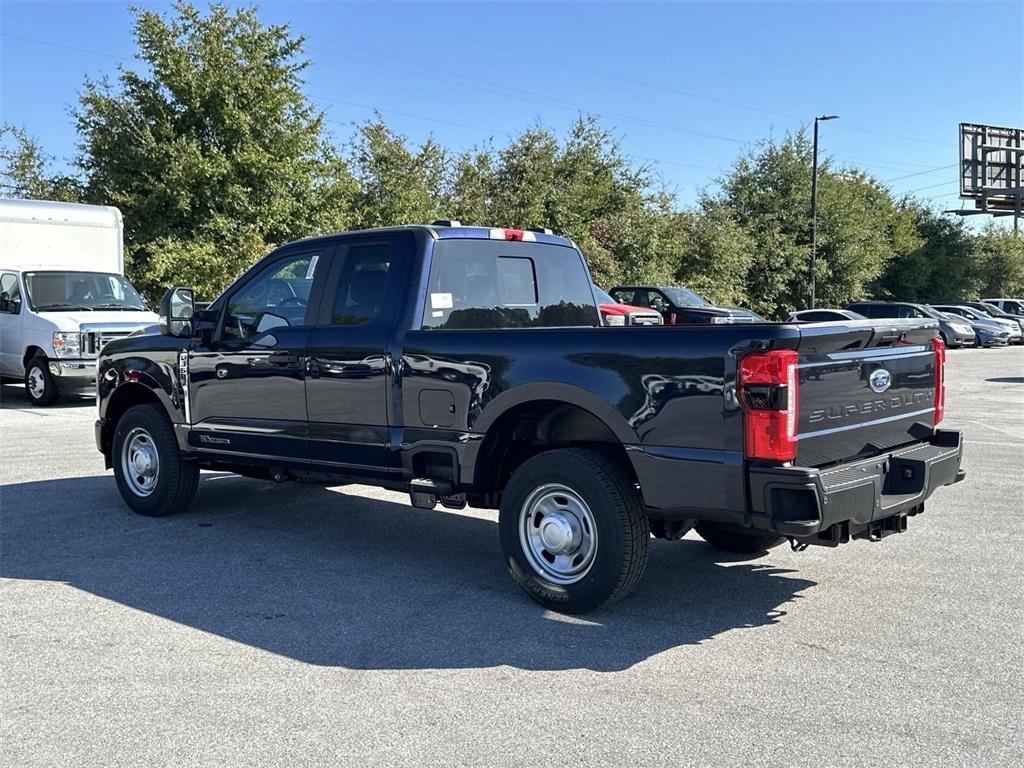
(1013, 306)
(63, 294)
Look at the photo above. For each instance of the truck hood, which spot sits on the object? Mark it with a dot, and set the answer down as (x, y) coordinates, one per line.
(72, 321)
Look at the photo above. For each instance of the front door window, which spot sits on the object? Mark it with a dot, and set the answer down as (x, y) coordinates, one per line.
(277, 297)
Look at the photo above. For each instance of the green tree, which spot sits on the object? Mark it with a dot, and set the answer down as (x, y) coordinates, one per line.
(525, 185)
(999, 259)
(583, 187)
(942, 267)
(210, 148)
(860, 230)
(468, 198)
(860, 227)
(715, 255)
(769, 191)
(396, 185)
(25, 170)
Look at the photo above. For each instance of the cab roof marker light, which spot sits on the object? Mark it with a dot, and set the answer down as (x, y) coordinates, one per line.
(513, 234)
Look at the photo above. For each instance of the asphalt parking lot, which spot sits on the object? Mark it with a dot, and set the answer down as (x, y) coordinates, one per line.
(291, 625)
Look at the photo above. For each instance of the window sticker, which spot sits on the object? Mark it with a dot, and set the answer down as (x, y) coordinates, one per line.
(437, 313)
(312, 266)
(441, 301)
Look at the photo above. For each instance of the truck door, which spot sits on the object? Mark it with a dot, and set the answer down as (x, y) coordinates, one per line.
(247, 386)
(349, 370)
(12, 338)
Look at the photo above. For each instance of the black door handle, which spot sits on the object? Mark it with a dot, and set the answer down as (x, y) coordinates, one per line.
(282, 358)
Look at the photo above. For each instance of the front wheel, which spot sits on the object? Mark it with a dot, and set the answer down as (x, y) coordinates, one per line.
(40, 385)
(573, 530)
(733, 538)
(151, 475)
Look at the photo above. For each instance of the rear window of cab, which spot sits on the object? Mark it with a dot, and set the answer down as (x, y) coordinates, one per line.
(485, 284)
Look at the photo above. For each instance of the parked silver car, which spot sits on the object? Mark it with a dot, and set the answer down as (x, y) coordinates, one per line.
(983, 324)
(994, 311)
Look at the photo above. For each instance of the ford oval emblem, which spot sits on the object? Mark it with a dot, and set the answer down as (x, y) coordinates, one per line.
(879, 380)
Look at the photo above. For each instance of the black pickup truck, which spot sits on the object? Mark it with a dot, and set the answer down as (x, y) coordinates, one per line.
(467, 365)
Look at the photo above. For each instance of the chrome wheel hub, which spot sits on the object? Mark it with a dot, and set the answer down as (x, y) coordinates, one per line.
(140, 462)
(558, 534)
(36, 382)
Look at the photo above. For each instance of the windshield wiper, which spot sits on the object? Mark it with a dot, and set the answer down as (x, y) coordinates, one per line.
(125, 307)
(45, 307)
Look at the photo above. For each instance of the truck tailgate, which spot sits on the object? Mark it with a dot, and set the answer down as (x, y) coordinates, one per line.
(864, 387)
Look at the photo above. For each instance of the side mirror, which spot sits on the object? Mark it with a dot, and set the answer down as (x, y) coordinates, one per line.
(177, 307)
(5, 302)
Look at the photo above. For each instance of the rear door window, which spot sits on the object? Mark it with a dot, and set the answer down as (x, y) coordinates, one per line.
(483, 284)
(362, 285)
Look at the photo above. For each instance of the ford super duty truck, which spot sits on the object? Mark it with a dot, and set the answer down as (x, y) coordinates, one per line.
(465, 365)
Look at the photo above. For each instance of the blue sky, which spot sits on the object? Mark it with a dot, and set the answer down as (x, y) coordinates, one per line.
(686, 86)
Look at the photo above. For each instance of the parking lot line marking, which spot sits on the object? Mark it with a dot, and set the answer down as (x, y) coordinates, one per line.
(997, 429)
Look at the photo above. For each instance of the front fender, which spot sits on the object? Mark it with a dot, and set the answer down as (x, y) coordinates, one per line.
(158, 375)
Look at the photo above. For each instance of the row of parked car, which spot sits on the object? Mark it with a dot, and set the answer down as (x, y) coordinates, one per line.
(985, 323)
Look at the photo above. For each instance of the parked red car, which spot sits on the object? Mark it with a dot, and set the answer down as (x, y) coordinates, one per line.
(615, 314)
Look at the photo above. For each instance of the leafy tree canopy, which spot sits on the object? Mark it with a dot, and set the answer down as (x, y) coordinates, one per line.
(209, 148)
(215, 155)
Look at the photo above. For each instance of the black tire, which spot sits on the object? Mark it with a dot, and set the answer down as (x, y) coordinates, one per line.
(733, 538)
(40, 386)
(619, 534)
(174, 482)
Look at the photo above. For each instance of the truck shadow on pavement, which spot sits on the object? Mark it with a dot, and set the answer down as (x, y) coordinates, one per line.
(13, 398)
(335, 579)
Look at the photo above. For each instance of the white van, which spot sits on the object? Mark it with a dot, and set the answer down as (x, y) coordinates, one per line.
(63, 294)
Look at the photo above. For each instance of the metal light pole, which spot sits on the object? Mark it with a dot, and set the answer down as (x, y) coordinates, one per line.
(814, 207)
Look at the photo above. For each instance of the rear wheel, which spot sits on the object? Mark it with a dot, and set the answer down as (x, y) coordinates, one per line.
(40, 385)
(151, 475)
(733, 538)
(573, 530)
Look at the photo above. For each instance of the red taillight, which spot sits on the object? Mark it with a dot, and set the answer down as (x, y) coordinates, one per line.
(939, 351)
(767, 383)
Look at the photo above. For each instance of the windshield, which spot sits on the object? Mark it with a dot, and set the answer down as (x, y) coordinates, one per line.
(988, 309)
(68, 291)
(684, 297)
(967, 312)
(954, 318)
(602, 297)
(931, 312)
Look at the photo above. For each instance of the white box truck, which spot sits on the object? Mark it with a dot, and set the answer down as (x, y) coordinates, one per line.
(63, 294)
